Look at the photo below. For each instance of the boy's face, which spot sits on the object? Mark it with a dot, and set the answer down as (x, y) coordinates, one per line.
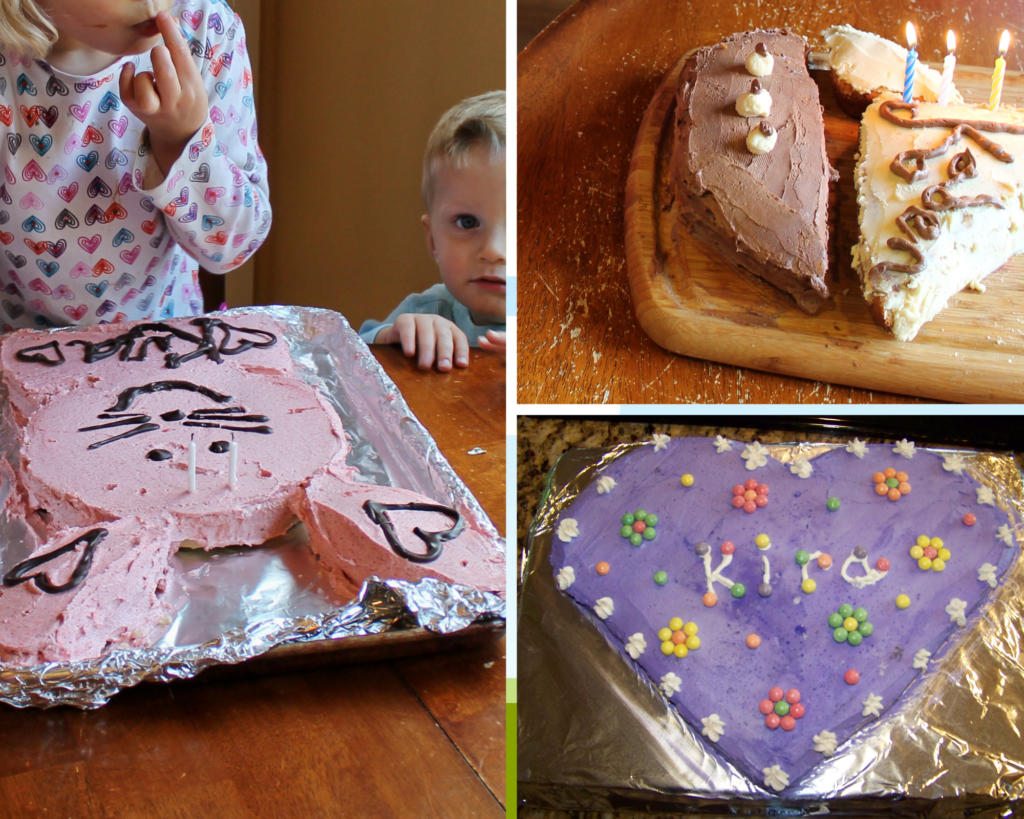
(116, 27)
(465, 227)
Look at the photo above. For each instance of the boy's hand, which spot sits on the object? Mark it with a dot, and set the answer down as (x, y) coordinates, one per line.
(431, 338)
(171, 100)
(493, 341)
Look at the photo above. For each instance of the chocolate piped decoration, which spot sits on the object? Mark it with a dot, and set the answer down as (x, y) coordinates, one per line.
(896, 243)
(131, 419)
(29, 355)
(19, 574)
(158, 455)
(925, 222)
(761, 49)
(755, 87)
(128, 396)
(766, 128)
(139, 430)
(220, 447)
(173, 415)
(378, 513)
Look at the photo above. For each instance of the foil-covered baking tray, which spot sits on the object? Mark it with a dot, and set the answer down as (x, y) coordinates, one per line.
(238, 603)
(594, 734)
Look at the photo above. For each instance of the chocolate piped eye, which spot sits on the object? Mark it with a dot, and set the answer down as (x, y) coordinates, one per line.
(761, 49)
(158, 455)
(766, 128)
(755, 87)
(220, 447)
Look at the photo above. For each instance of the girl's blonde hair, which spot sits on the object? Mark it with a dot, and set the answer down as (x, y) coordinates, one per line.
(25, 29)
(475, 121)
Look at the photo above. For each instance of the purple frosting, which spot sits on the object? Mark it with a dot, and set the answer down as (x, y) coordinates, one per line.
(798, 649)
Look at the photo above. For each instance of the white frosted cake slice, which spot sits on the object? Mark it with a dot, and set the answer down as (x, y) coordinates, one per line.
(940, 199)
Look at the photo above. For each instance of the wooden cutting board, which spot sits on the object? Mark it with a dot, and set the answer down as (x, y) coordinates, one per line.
(689, 301)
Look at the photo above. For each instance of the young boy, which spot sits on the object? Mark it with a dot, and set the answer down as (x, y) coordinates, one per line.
(464, 193)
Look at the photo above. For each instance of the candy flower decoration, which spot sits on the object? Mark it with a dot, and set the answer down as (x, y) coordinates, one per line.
(948, 66)
(930, 553)
(908, 80)
(894, 485)
(782, 709)
(679, 638)
(997, 75)
(750, 496)
(850, 625)
(639, 526)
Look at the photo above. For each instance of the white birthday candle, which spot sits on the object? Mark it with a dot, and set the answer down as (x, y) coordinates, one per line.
(232, 462)
(948, 66)
(192, 465)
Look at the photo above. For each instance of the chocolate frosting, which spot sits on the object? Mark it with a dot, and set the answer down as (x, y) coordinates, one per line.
(767, 214)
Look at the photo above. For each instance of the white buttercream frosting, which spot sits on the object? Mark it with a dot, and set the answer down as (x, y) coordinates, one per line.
(775, 778)
(872, 706)
(671, 684)
(759, 65)
(905, 448)
(567, 530)
(986, 496)
(604, 607)
(752, 104)
(1005, 534)
(825, 743)
(755, 455)
(760, 143)
(956, 610)
(566, 577)
(987, 574)
(713, 727)
(605, 484)
(954, 463)
(636, 645)
(801, 467)
(661, 441)
(857, 447)
(722, 444)
(921, 658)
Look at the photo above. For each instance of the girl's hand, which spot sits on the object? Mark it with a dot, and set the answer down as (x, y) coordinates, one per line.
(493, 341)
(171, 100)
(431, 338)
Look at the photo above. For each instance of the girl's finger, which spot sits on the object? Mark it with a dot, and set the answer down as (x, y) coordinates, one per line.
(147, 100)
(445, 346)
(174, 40)
(461, 348)
(167, 84)
(425, 341)
(127, 83)
(407, 336)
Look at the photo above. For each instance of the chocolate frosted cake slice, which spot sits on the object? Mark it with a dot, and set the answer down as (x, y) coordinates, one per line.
(749, 163)
(941, 205)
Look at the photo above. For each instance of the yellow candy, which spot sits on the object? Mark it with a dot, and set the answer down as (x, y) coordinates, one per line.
(850, 624)
(676, 624)
(665, 634)
(923, 541)
(763, 541)
(693, 642)
(916, 552)
(668, 647)
(938, 564)
(945, 554)
(902, 601)
(690, 629)
(924, 563)
(686, 480)
(808, 586)
(937, 542)
(681, 651)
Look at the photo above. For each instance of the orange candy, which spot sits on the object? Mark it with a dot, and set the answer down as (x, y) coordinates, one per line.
(710, 599)
(824, 561)
(902, 477)
(881, 489)
(894, 494)
(904, 488)
(678, 637)
(753, 641)
(890, 473)
(603, 568)
(878, 477)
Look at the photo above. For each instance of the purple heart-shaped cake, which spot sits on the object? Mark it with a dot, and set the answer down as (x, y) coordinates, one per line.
(782, 607)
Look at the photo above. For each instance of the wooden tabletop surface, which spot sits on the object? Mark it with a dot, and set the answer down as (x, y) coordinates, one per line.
(584, 84)
(412, 737)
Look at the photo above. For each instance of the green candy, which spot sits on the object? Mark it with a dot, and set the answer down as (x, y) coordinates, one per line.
(832, 504)
(782, 708)
(650, 533)
(636, 538)
(803, 558)
(845, 610)
(866, 629)
(840, 635)
(651, 520)
(628, 519)
(640, 514)
(626, 531)
(860, 615)
(661, 578)
(892, 483)
(738, 590)
(834, 620)
(854, 638)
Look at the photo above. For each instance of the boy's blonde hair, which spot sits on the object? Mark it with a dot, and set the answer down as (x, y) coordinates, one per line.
(475, 121)
(25, 29)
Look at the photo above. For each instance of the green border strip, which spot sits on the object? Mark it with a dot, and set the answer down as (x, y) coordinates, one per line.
(511, 791)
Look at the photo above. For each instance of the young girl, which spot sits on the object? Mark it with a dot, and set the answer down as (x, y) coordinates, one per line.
(129, 154)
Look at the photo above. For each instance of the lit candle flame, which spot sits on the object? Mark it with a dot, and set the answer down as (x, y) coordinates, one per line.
(950, 42)
(912, 36)
(1004, 43)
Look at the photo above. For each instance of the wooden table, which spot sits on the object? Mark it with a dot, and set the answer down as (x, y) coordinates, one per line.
(584, 84)
(412, 737)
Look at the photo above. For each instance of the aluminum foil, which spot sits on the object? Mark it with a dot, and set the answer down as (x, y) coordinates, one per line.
(237, 603)
(596, 735)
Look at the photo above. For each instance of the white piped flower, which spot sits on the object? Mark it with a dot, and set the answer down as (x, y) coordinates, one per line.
(722, 444)
(858, 448)
(605, 484)
(986, 496)
(954, 463)
(755, 455)
(604, 607)
(956, 610)
(713, 727)
(636, 645)
(921, 658)
(1005, 534)
(825, 743)
(566, 577)
(775, 778)
(872, 706)
(671, 684)
(567, 530)
(905, 448)
(661, 441)
(801, 467)
(987, 574)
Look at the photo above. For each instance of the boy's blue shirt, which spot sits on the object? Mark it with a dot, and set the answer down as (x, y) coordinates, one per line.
(437, 301)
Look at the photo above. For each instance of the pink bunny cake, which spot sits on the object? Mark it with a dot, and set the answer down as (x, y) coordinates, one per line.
(108, 419)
